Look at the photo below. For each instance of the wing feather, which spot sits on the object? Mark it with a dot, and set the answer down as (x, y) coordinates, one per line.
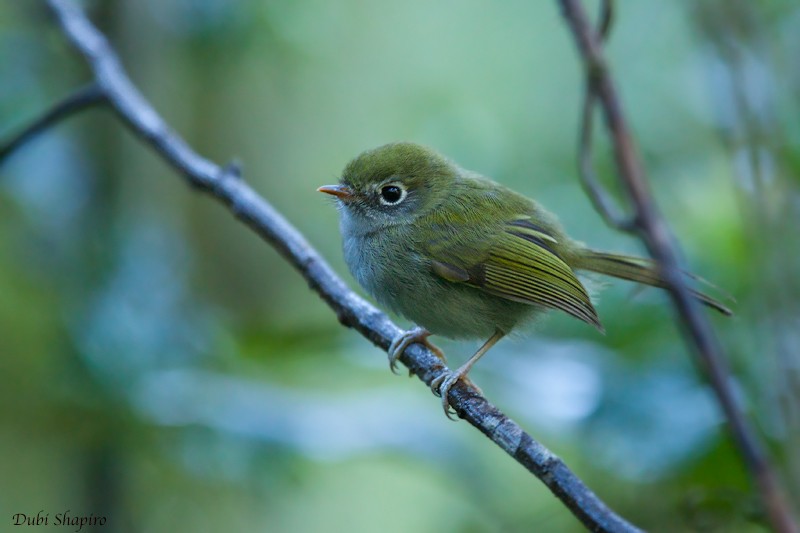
(517, 261)
(522, 270)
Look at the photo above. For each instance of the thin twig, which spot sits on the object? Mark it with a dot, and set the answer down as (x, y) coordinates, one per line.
(656, 236)
(83, 98)
(225, 184)
(601, 200)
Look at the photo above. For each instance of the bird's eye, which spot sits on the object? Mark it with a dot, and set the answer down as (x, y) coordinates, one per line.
(392, 194)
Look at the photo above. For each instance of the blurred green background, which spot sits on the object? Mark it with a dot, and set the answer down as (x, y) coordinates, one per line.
(163, 367)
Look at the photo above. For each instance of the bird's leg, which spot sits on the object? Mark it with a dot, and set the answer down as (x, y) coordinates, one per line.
(441, 385)
(401, 342)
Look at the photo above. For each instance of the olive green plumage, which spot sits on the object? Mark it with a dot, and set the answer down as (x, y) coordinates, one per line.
(459, 254)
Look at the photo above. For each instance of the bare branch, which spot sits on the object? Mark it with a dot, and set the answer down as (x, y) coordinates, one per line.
(601, 200)
(225, 184)
(83, 98)
(654, 232)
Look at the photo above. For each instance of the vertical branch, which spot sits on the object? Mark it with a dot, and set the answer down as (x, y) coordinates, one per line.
(601, 200)
(650, 225)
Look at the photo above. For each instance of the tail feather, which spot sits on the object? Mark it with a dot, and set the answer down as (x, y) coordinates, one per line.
(639, 270)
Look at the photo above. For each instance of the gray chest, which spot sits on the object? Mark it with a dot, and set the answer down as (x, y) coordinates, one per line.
(388, 267)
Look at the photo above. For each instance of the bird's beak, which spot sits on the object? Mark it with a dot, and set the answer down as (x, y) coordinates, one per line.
(342, 192)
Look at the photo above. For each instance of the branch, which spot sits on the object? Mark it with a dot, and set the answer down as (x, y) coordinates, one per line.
(600, 198)
(650, 225)
(226, 185)
(83, 98)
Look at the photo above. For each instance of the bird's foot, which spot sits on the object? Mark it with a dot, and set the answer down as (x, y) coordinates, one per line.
(401, 342)
(442, 384)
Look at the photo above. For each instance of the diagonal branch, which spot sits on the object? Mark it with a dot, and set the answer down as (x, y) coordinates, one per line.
(650, 225)
(226, 185)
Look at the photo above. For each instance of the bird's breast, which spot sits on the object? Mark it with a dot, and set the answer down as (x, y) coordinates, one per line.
(387, 264)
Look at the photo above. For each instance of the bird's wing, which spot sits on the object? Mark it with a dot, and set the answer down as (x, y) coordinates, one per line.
(516, 260)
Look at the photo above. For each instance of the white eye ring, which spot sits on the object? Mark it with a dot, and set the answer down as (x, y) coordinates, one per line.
(392, 193)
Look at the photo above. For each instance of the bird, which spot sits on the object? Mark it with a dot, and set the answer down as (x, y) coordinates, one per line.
(462, 256)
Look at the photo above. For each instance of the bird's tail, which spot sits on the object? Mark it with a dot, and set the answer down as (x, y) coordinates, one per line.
(639, 270)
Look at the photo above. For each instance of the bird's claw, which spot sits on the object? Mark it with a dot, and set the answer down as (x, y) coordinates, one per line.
(401, 342)
(441, 385)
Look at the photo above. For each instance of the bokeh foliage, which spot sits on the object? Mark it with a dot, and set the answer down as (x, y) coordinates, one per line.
(162, 366)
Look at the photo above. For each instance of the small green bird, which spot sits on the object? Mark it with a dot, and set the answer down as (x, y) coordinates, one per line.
(463, 256)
